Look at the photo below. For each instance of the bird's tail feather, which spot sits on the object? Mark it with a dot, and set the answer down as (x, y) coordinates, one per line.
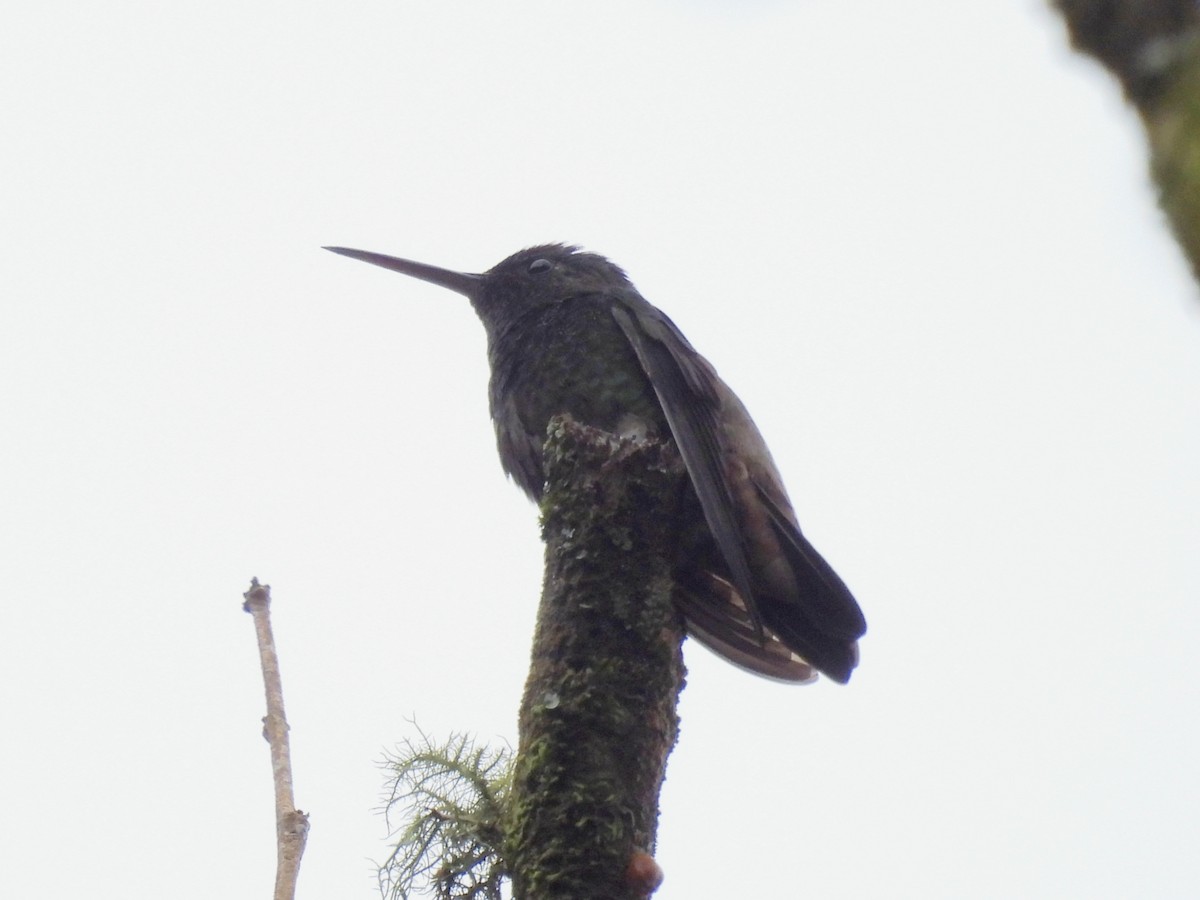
(716, 617)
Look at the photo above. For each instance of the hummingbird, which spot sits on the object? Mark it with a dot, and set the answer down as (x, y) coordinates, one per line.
(568, 333)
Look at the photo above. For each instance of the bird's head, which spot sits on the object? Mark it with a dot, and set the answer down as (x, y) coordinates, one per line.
(527, 280)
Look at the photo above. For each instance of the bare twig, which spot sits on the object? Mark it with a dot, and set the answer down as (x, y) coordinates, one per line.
(291, 825)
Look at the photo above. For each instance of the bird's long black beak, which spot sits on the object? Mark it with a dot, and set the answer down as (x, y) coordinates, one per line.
(462, 282)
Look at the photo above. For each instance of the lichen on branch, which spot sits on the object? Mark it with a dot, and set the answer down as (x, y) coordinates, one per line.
(598, 717)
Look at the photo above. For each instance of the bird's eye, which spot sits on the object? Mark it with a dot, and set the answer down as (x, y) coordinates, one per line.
(538, 266)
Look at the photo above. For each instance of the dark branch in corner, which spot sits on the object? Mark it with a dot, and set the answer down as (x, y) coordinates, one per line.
(1135, 39)
(1153, 48)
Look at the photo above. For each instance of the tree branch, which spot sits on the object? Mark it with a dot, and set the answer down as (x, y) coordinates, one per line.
(598, 717)
(291, 825)
(1153, 47)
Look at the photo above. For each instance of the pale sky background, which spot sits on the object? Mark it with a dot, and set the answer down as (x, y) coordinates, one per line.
(919, 241)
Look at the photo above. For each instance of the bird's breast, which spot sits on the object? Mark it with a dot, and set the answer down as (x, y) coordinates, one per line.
(571, 358)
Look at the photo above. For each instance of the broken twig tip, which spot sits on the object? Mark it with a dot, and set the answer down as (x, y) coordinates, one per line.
(258, 593)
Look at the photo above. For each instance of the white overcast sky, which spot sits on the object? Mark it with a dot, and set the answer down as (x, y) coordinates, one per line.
(919, 241)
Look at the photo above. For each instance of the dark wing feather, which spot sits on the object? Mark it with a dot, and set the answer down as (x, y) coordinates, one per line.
(827, 597)
(803, 608)
(688, 395)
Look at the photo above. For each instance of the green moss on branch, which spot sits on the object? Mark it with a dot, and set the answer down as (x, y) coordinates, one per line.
(598, 717)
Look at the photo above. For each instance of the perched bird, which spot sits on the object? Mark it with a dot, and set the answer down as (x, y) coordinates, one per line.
(568, 333)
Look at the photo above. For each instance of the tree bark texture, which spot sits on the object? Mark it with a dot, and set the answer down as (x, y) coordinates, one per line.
(598, 717)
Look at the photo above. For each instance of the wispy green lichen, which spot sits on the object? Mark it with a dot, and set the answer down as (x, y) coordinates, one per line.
(443, 809)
